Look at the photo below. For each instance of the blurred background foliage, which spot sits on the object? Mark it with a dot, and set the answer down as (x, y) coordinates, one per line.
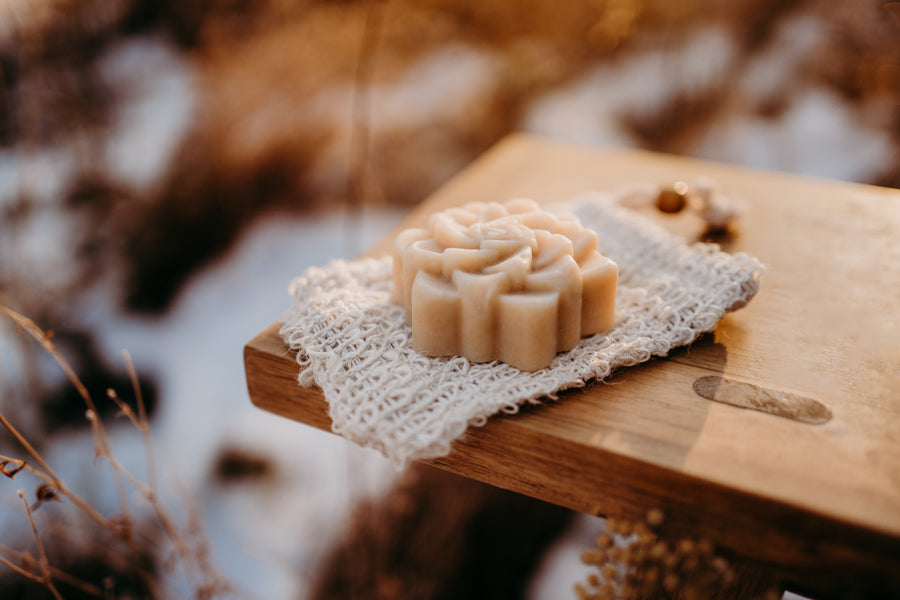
(265, 120)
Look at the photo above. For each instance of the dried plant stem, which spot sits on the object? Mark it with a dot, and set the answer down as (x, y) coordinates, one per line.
(58, 574)
(30, 449)
(45, 340)
(75, 582)
(60, 487)
(21, 464)
(92, 416)
(99, 432)
(148, 491)
(212, 585)
(359, 183)
(118, 473)
(197, 569)
(358, 180)
(142, 423)
(46, 579)
(145, 490)
(50, 477)
(20, 570)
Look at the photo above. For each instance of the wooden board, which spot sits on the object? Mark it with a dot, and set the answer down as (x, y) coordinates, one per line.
(818, 503)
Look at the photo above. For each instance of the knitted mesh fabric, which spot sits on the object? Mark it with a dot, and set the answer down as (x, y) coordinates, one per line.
(356, 345)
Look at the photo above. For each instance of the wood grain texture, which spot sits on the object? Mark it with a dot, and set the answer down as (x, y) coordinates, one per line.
(819, 503)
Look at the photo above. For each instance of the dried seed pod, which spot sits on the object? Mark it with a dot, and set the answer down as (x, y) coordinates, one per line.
(685, 546)
(637, 563)
(580, 592)
(607, 592)
(673, 199)
(646, 539)
(612, 525)
(671, 582)
(658, 551)
(11, 473)
(122, 526)
(45, 493)
(655, 517)
(641, 528)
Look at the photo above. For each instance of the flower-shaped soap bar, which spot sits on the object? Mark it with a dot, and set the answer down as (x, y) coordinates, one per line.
(509, 282)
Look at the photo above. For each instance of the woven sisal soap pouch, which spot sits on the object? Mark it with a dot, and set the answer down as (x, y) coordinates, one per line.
(355, 344)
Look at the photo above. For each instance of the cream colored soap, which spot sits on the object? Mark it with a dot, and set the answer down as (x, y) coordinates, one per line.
(509, 282)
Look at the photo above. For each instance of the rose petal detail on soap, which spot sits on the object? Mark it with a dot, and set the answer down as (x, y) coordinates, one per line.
(509, 282)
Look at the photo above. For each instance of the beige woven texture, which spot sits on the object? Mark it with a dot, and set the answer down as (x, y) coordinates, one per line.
(355, 344)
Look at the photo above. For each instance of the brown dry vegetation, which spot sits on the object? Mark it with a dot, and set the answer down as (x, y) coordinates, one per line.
(268, 73)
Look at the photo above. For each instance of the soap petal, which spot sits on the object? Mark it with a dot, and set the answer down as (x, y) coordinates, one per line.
(435, 314)
(526, 325)
(477, 318)
(600, 277)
